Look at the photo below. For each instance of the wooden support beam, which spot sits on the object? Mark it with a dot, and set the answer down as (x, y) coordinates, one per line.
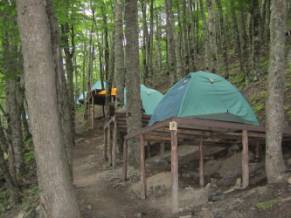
(92, 116)
(109, 144)
(147, 129)
(148, 146)
(162, 150)
(103, 110)
(174, 167)
(125, 159)
(142, 167)
(105, 144)
(201, 164)
(245, 159)
(258, 151)
(114, 144)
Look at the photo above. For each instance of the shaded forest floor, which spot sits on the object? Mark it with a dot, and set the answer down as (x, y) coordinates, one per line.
(100, 191)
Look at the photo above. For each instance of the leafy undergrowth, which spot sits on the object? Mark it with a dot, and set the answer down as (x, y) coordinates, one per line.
(29, 201)
(29, 195)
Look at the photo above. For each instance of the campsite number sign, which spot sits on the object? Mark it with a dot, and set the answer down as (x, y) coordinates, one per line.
(173, 126)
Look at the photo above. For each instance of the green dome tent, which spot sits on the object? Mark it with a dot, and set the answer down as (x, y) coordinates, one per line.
(149, 97)
(204, 95)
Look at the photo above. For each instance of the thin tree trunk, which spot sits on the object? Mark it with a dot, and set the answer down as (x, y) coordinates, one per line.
(151, 42)
(65, 111)
(212, 58)
(223, 38)
(145, 41)
(256, 40)
(158, 46)
(245, 42)
(107, 60)
(205, 34)
(171, 44)
(67, 32)
(237, 35)
(192, 35)
(181, 54)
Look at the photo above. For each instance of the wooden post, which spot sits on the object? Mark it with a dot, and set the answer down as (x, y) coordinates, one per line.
(92, 115)
(258, 151)
(142, 167)
(105, 144)
(245, 159)
(162, 150)
(103, 110)
(109, 143)
(201, 164)
(114, 143)
(125, 159)
(148, 146)
(174, 167)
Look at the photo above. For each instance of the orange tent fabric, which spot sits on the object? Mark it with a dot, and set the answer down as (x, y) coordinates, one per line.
(113, 92)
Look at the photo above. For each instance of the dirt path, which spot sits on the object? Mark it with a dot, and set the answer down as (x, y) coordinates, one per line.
(100, 191)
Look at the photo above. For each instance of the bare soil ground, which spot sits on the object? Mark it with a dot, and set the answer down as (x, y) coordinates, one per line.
(102, 193)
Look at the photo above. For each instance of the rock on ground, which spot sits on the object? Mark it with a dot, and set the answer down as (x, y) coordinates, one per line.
(155, 184)
(190, 197)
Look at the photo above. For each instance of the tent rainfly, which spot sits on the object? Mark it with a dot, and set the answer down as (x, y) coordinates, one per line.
(204, 95)
(149, 97)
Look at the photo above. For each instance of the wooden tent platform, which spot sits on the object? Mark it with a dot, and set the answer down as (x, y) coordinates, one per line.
(116, 124)
(198, 132)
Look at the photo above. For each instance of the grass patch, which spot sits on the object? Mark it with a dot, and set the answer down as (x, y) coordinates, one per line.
(267, 204)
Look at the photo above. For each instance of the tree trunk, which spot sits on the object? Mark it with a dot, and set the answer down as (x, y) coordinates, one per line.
(256, 40)
(171, 44)
(64, 109)
(223, 38)
(132, 76)
(275, 166)
(238, 48)
(158, 46)
(145, 41)
(192, 35)
(108, 73)
(212, 58)
(119, 53)
(68, 31)
(181, 53)
(151, 42)
(205, 34)
(57, 194)
(245, 42)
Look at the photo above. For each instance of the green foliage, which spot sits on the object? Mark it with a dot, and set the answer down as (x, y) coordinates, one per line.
(4, 201)
(30, 198)
(29, 157)
(258, 101)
